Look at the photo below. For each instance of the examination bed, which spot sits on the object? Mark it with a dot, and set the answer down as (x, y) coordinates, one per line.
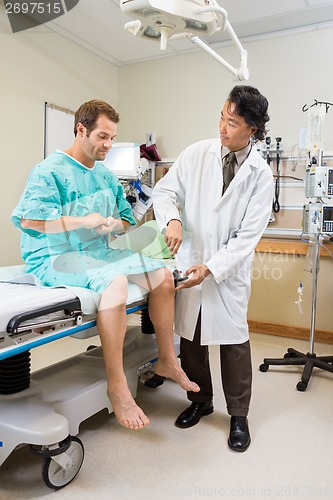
(45, 408)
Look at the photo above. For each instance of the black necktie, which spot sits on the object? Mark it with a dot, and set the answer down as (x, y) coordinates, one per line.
(228, 170)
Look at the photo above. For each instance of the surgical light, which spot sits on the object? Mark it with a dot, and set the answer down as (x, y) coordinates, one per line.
(165, 20)
(149, 32)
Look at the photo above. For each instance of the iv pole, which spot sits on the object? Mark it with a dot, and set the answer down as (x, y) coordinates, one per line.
(315, 271)
(294, 357)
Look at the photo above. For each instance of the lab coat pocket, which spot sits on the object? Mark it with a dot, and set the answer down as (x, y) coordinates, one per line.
(238, 212)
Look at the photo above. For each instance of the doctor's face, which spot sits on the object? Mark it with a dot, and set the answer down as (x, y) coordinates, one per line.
(235, 133)
(96, 145)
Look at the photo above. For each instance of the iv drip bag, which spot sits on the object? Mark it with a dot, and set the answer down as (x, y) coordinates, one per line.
(316, 120)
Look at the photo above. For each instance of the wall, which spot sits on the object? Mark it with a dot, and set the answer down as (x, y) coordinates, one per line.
(180, 98)
(275, 281)
(37, 67)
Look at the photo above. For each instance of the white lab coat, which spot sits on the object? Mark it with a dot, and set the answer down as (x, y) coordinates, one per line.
(219, 231)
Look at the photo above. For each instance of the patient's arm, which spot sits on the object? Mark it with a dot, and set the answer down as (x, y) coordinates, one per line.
(65, 223)
(95, 221)
(115, 226)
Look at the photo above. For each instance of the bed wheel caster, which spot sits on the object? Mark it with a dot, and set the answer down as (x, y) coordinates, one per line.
(263, 367)
(154, 381)
(61, 465)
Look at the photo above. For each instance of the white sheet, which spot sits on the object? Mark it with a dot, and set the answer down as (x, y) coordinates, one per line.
(16, 299)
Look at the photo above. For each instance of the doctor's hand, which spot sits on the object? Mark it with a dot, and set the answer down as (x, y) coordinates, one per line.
(174, 236)
(198, 274)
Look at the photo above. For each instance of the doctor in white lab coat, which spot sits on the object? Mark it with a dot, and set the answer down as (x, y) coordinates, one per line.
(213, 229)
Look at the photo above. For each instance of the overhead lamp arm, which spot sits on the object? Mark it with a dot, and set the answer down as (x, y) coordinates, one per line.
(215, 8)
(241, 73)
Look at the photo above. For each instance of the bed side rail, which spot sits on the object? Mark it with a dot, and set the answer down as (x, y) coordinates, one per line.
(69, 307)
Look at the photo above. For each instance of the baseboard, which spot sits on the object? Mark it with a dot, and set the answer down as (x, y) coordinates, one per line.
(294, 332)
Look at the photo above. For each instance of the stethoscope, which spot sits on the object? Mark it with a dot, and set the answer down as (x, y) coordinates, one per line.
(276, 204)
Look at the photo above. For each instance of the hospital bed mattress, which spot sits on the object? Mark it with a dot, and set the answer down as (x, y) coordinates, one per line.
(33, 315)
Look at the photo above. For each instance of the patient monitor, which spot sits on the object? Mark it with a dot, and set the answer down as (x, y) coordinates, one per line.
(123, 159)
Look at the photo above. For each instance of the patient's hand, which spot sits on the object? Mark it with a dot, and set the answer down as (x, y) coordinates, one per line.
(92, 221)
(111, 225)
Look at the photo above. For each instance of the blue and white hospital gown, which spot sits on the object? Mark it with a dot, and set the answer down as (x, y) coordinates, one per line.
(61, 186)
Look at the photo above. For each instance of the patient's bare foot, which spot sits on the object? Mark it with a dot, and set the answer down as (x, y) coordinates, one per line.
(127, 412)
(174, 371)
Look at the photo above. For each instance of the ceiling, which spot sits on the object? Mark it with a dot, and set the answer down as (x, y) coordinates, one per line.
(98, 26)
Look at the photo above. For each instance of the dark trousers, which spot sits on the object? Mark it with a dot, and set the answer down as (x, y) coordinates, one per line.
(236, 372)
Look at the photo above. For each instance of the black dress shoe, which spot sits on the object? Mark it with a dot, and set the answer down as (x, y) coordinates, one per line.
(193, 413)
(239, 437)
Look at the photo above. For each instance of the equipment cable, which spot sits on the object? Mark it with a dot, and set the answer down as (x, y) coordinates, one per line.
(276, 203)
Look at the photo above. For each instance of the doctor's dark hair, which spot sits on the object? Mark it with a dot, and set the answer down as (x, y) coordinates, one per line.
(90, 111)
(251, 105)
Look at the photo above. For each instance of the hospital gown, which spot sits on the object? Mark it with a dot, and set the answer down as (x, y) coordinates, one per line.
(61, 186)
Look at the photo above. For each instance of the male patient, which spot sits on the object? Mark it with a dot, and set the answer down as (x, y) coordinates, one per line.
(70, 204)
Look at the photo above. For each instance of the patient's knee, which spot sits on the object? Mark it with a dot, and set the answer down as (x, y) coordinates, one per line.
(116, 293)
(164, 280)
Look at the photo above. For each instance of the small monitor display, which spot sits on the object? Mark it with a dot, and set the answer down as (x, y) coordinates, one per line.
(327, 220)
(123, 160)
(330, 182)
(327, 214)
(330, 176)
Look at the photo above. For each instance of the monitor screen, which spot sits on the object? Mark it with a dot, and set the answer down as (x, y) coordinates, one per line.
(327, 214)
(123, 160)
(330, 182)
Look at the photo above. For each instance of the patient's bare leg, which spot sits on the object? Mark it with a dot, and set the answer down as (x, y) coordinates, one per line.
(161, 288)
(111, 323)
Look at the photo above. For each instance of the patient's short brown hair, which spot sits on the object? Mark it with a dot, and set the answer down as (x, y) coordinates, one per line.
(89, 112)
